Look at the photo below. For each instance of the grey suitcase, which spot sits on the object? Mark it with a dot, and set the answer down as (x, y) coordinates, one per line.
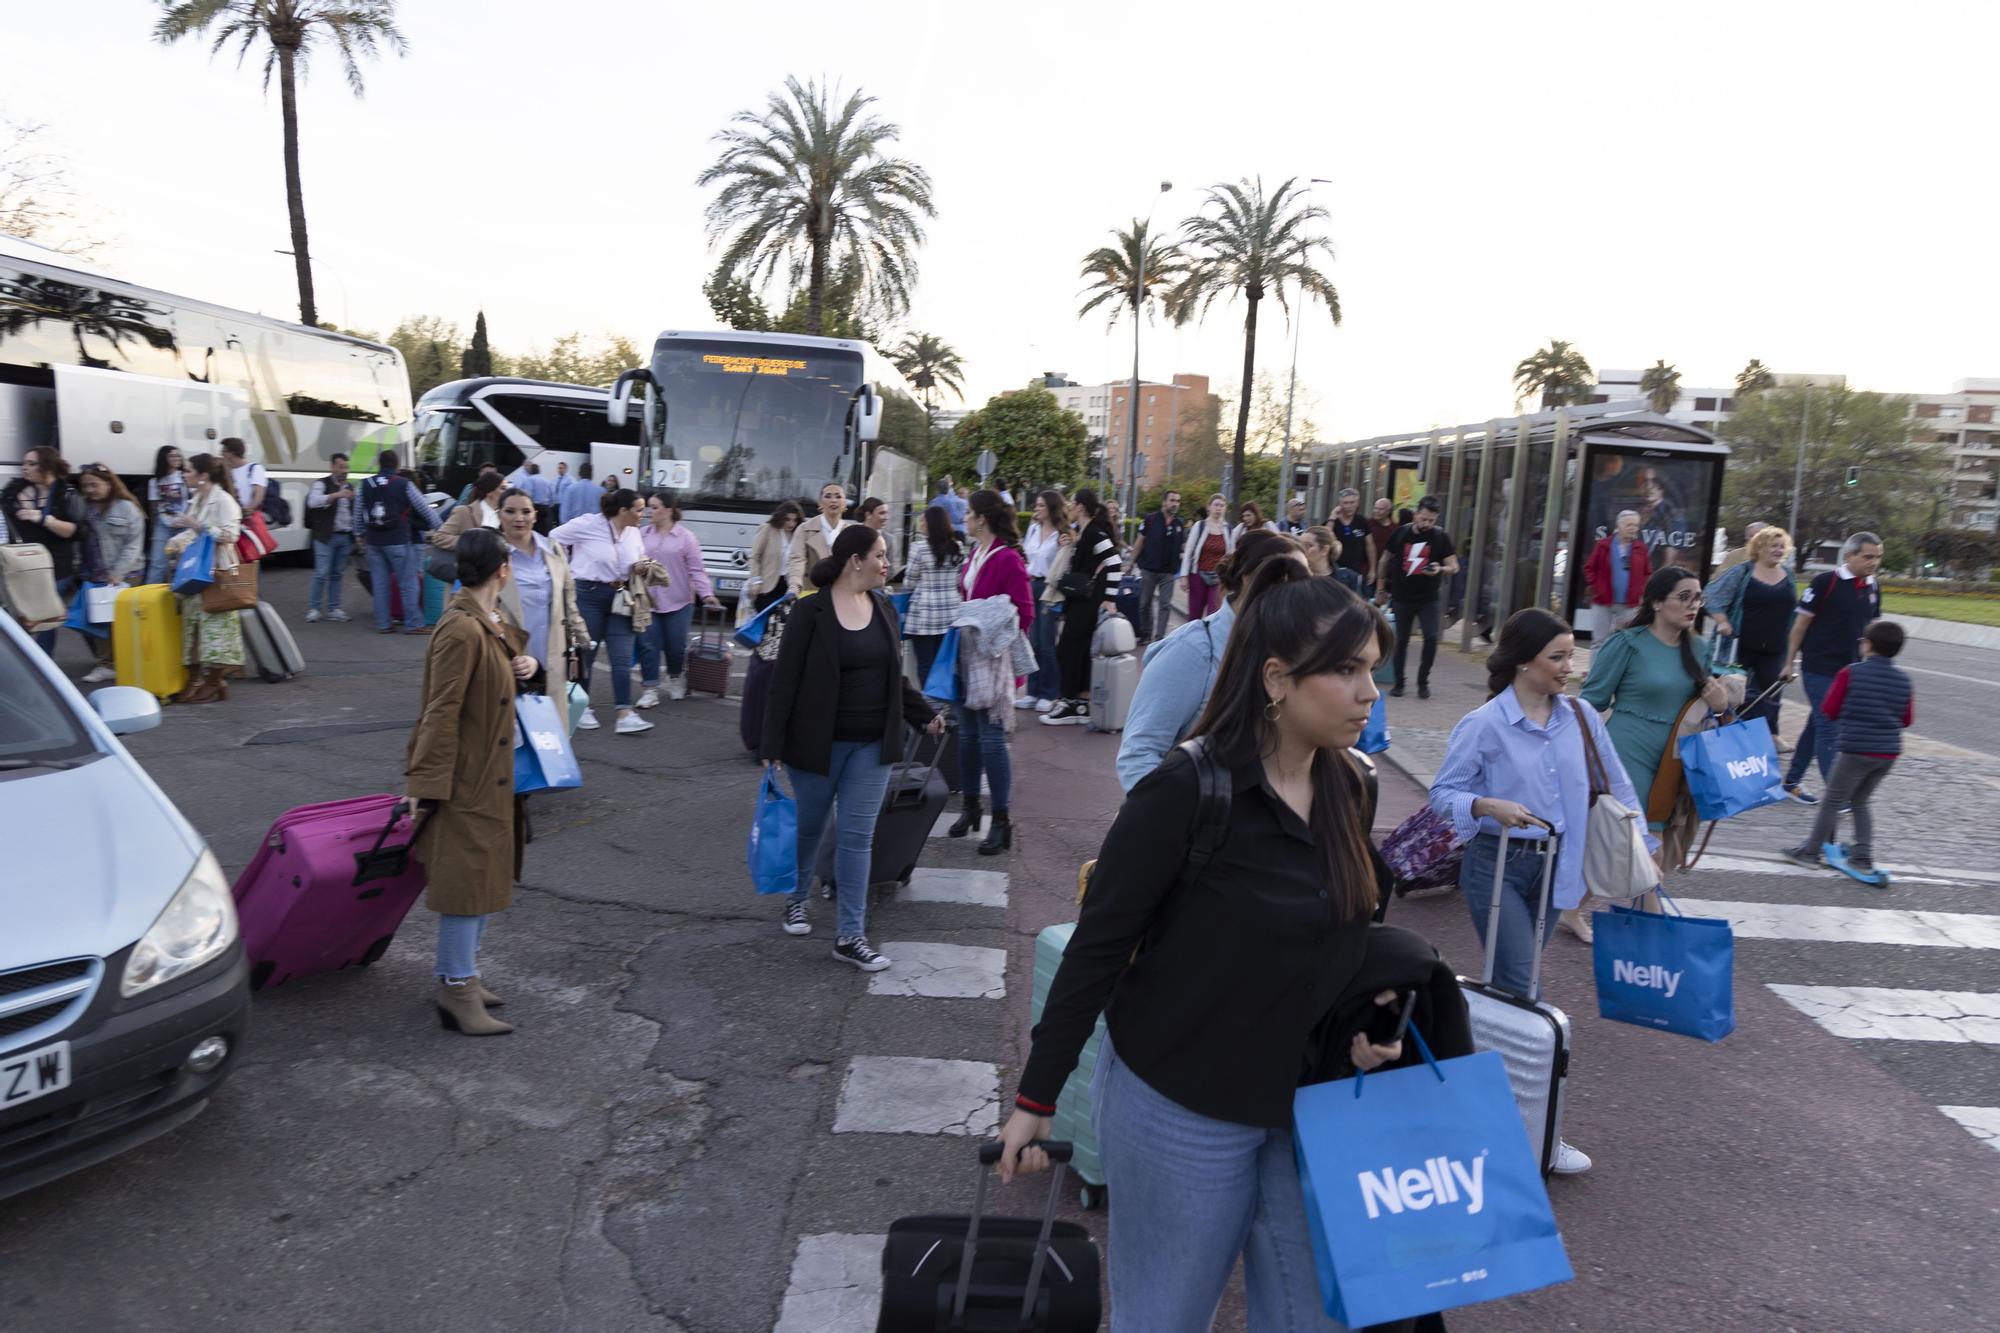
(1113, 681)
(1530, 1036)
(268, 646)
(910, 809)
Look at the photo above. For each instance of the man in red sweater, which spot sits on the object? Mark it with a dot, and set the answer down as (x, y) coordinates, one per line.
(1617, 572)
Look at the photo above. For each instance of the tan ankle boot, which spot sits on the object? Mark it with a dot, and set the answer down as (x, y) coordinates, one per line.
(219, 677)
(486, 997)
(461, 1009)
(199, 690)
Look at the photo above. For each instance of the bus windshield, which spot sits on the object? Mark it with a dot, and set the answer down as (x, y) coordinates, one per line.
(753, 422)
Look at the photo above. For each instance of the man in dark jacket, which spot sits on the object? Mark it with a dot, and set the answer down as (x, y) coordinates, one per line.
(1826, 636)
(1158, 556)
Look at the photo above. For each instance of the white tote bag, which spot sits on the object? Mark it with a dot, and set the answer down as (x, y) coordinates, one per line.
(1616, 865)
(100, 603)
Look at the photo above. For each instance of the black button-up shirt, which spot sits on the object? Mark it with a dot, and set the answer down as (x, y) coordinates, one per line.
(1237, 967)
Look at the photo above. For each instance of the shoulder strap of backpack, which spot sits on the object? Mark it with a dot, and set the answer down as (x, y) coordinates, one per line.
(1211, 813)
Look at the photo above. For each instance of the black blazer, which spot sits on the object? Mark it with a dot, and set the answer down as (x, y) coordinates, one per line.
(805, 692)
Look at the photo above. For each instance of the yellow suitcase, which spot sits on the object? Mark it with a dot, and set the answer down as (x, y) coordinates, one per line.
(146, 640)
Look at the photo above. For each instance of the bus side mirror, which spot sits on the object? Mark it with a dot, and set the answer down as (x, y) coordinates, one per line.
(618, 408)
(868, 415)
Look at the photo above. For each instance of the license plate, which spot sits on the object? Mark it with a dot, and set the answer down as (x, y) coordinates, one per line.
(730, 585)
(33, 1074)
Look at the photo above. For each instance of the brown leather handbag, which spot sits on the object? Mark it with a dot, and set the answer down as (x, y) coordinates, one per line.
(233, 590)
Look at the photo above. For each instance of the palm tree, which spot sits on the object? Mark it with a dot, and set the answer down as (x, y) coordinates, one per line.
(930, 363)
(1109, 271)
(806, 187)
(1661, 383)
(1557, 372)
(1257, 244)
(1754, 378)
(289, 28)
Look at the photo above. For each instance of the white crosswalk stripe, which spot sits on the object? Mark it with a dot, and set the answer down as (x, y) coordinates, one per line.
(836, 1285)
(1982, 1121)
(1850, 925)
(1883, 1013)
(971, 888)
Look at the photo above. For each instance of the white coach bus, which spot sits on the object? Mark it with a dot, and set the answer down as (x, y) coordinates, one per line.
(108, 372)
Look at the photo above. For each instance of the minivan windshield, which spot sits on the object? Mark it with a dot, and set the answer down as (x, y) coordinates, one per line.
(36, 725)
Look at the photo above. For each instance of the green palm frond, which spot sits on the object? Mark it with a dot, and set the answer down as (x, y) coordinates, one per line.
(1109, 272)
(356, 28)
(930, 364)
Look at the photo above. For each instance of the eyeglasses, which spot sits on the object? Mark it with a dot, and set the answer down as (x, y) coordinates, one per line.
(1687, 598)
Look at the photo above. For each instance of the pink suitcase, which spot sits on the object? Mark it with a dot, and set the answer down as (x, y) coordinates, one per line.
(328, 888)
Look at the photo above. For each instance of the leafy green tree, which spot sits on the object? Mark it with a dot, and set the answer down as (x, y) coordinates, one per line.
(1128, 276)
(289, 29)
(1037, 442)
(1260, 484)
(1900, 476)
(1960, 552)
(807, 186)
(1754, 378)
(1661, 383)
(572, 359)
(843, 314)
(906, 427)
(1258, 245)
(735, 302)
(430, 348)
(1557, 374)
(930, 363)
(478, 359)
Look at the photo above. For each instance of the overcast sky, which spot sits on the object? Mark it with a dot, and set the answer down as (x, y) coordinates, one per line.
(1809, 183)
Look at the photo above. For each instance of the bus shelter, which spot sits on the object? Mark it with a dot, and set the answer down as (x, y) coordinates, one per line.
(1528, 498)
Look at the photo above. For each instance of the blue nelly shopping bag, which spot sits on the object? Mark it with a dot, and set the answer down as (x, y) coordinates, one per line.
(1675, 973)
(1375, 736)
(543, 759)
(773, 850)
(1421, 1191)
(78, 618)
(751, 632)
(1732, 769)
(942, 683)
(195, 569)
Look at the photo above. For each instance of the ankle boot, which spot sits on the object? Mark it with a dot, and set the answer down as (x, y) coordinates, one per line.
(486, 997)
(219, 678)
(999, 835)
(461, 1010)
(968, 818)
(200, 687)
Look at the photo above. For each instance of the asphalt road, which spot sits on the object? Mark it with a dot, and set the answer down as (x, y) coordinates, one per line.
(1958, 693)
(656, 1148)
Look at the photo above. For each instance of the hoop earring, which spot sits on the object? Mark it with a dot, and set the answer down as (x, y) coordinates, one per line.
(1271, 710)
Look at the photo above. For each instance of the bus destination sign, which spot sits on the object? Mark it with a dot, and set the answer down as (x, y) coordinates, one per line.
(752, 365)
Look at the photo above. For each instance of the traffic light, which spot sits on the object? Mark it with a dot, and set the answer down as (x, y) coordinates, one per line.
(1854, 476)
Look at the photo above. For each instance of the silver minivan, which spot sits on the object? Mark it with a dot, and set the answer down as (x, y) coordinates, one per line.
(124, 996)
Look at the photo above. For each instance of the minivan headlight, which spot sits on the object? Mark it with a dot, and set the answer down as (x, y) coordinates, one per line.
(196, 927)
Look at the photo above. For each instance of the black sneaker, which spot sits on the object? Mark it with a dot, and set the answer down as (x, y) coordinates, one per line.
(858, 952)
(1423, 691)
(1396, 691)
(795, 919)
(1802, 796)
(1067, 713)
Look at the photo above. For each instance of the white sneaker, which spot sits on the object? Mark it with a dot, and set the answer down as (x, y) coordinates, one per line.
(1067, 713)
(312, 614)
(648, 698)
(1027, 701)
(338, 616)
(1570, 1161)
(677, 687)
(98, 675)
(631, 724)
(1044, 705)
(588, 722)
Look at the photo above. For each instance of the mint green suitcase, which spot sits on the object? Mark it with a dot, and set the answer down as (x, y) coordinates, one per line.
(1072, 1118)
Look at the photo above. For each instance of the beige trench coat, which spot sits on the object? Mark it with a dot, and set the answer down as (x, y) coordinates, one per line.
(810, 545)
(462, 755)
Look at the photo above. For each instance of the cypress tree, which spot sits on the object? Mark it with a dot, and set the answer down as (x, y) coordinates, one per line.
(479, 356)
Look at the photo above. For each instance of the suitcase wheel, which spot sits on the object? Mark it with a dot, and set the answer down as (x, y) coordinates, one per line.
(1091, 1197)
(260, 975)
(375, 951)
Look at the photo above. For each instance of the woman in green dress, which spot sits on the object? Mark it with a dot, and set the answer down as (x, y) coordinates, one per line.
(1645, 675)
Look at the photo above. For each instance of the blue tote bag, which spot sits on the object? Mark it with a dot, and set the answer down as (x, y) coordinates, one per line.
(1731, 770)
(1375, 736)
(78, 618)
(543, 759)
(751, 632)
(195, 569)
(1671, 972)
(1421, 1191)
(942, 683)
(773, 850)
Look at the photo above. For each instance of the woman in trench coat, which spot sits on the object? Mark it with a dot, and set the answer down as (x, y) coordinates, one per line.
(460, 775)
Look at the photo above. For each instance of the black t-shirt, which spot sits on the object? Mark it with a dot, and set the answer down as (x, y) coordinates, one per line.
(865, 667)
(1353, 544)
(1409, 552)
(1841, 609)
(1766, 616)
(60, 500)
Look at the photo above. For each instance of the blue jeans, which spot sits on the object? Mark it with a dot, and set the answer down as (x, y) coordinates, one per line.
(859, 779)
(1190, 1194)
(1820, 740)
(403, 563)
(159, 569)
(329, 571)
(593, 600)
(458, 944)
(1046, 682)
(1521, 896)
(666, 633)
(982, 743)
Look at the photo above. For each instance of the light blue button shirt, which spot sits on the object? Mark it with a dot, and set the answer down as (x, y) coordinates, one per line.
(1497, 751)
(1173, 689)
(534, 587)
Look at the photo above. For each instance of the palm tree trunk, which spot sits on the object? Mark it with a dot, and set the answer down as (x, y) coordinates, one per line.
(1243, 402)
(822, 238)
(295, 199)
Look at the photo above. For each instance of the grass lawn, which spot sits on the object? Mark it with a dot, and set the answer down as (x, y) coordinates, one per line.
(1942, 606)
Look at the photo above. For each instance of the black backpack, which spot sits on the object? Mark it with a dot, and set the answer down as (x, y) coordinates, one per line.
(385, 505)
(277, 509)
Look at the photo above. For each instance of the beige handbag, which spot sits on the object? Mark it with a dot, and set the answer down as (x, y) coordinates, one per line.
(1616, 864)
(233, 590)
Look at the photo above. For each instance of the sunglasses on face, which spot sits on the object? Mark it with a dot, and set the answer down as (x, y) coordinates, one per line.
(1689, 598)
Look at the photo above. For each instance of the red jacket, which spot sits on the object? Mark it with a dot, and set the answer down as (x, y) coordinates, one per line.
(1597, 571)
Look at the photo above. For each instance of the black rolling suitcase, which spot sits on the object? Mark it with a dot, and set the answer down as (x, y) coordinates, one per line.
(910, 810)
(756, 694)
(944, 754)
(991, 1274)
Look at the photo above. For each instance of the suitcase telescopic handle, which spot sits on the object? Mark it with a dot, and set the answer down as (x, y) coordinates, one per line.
(1549, 855)
(1060, 1151)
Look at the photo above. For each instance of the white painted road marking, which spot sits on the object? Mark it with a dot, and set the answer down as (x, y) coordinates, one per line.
(1850, 925)
(950, 817)
(1881, 1013)
(899, 1094)
(1745, 865)
(1949, 675)
(972, 888)
(1982, 1121)
(941, 972)
(836, 1285)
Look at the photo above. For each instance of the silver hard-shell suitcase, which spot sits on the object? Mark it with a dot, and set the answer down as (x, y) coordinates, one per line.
(1530, 1036)
(268, 645)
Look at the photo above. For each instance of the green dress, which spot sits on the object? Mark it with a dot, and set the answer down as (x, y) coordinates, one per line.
(1645, 685)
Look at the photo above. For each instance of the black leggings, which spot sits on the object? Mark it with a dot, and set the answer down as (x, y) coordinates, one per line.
(1079, 624)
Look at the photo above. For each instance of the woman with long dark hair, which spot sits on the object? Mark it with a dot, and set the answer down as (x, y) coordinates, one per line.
(603, 547)
(1048, 533)
(43, 507)
(835, 719)
(166, 496)
(932, 578)
(769, 550)
(1086, 592)
(1212, 1022)
(1644, 675)
(1521, 761)
(997, 596)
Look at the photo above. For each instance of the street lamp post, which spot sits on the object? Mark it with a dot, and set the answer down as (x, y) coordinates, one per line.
(1285, 455)
(1799, 467)
(1141, 244)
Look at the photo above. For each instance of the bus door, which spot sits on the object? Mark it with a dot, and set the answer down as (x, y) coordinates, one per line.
(121, 419)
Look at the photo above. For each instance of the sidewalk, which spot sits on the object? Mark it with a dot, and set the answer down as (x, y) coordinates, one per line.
(1910, 835)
